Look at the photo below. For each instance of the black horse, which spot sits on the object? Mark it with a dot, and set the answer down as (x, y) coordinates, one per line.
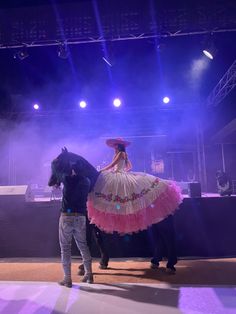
(67, 162)
(62, 166)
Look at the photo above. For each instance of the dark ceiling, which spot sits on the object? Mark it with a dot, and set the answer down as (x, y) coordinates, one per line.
(169, 3)
(143, 72)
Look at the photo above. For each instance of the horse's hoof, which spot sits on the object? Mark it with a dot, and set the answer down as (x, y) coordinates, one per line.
(101, 266)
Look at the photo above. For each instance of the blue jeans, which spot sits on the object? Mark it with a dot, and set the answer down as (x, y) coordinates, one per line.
(73, 226)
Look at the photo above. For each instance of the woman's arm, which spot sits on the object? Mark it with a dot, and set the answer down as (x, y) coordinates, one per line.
(114, 162)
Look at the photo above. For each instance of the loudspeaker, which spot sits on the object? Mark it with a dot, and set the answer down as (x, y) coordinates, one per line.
(194, 189)
(19, 192)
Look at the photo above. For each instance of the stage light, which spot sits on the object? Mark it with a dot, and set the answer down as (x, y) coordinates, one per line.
(83, 104)
(107, 61)
(36, 106)
(108, 54)
(210, 49)
(21, 54)
(62, 51)
(117, 102)
(208, 54)
(166, 100)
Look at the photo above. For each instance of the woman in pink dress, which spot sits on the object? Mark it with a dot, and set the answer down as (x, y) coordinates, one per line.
(125, 202)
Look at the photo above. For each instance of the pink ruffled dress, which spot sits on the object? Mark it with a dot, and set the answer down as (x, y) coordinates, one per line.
(128, 202)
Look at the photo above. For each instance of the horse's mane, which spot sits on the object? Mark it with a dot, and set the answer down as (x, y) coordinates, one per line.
(71, 157)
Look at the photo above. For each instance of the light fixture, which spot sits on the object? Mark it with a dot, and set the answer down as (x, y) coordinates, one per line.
(62, 51)
(82, 104)
(166, 100)
(210, 49)
(108, 62)
(21, 54)
(117, 102)
(36, 107)
(108, 54)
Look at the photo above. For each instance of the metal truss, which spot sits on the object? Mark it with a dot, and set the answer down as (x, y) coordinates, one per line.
(42, 43)
(223, 88)
(77, 23)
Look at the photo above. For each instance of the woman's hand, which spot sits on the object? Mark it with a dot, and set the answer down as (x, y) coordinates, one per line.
(103, 169)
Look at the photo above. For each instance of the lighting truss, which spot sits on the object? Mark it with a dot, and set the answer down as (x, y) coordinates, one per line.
(76, 23)
(223, 88)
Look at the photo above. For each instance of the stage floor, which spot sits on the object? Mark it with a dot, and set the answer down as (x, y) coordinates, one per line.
(119, 293)
(45, 298)
(219, 271)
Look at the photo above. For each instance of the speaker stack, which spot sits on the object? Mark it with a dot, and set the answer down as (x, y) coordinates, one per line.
(16, 193)
(194, 189)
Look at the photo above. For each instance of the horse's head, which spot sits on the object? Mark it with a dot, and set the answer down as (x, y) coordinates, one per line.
(67, 162)
(60, 167)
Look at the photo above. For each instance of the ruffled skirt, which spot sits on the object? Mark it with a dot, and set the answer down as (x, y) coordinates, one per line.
(128, 202)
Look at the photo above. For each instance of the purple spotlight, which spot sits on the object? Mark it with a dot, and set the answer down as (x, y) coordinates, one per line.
(83, 104)
(166, 100)
(117, 102)
(36, 106)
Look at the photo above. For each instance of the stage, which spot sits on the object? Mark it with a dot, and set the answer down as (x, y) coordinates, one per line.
(219, 271)
(205, 227)
(128, 285)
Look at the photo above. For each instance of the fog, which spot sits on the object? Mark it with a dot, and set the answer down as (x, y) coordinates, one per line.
(27, 149)
(29, 145)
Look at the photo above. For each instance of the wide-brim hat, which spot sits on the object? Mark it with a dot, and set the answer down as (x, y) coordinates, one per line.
(111, 142)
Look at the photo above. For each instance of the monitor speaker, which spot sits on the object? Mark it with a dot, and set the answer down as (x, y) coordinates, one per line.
(19, 192)
(194, 189)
